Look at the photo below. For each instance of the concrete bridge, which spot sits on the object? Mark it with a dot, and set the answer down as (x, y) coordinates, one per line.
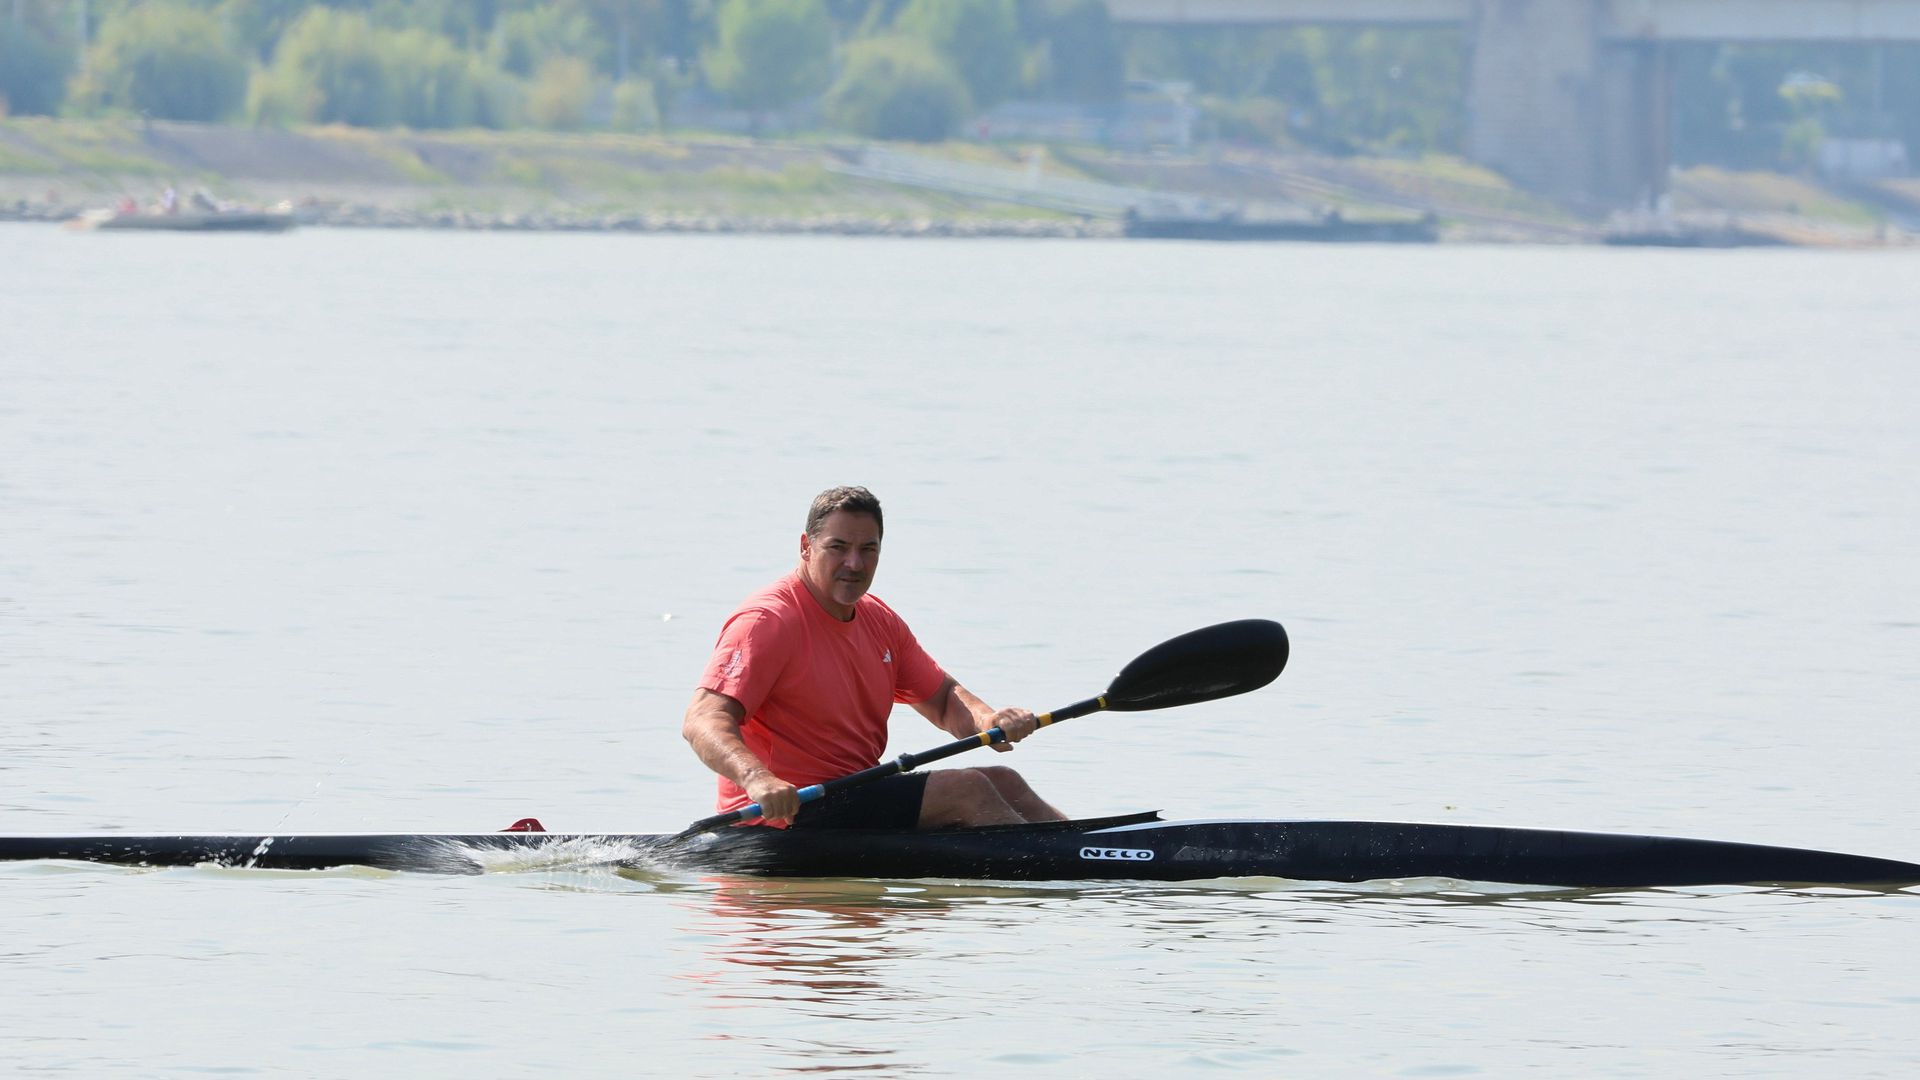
(1570, 97)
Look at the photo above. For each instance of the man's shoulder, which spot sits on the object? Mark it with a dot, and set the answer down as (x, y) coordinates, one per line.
(878, 610)
(775, 594)
(778, 602)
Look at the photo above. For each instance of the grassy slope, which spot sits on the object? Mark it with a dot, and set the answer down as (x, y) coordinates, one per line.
(478, 171)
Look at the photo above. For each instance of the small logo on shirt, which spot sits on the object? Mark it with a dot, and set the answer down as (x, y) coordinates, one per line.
(733, 665)
(887, 657)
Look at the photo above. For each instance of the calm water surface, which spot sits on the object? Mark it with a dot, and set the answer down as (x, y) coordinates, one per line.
(396, 531)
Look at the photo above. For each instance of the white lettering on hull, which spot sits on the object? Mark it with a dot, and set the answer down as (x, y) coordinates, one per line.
(1118, 854)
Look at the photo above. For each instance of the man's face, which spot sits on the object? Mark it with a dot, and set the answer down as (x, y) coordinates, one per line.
(838, 564)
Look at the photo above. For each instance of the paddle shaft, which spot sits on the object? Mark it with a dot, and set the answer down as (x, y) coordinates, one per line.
(903, 763)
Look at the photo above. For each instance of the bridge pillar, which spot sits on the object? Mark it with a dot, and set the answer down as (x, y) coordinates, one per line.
(1559, 109)
(1635, 134)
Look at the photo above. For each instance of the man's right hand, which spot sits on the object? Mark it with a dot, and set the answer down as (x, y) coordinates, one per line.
(779, 801)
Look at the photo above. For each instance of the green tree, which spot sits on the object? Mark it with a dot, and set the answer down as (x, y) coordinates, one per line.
(257, 25)
(898, 88)
(1354, 88)
(438, 85)
(1730, 110)
(277, 98)
(979, 37)
(561, 93)
(1703, 112)
(334, 65)
(466, 23)
(635, 108)
(1812, 100)
(1233, 63)
(630, 30)
(1082, 58)
(1390, 89)
(35, 59)
(167, 60)
(771, 52)
(524, 40)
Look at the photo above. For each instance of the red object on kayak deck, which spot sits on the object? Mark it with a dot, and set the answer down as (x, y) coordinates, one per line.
(526, 824)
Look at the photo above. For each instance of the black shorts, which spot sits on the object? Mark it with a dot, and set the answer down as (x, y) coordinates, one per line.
(891, 802)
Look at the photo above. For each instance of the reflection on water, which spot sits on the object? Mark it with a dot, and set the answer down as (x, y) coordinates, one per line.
(805, 972)
(837, 951)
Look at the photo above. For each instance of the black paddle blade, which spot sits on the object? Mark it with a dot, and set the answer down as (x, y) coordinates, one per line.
(1213, 662)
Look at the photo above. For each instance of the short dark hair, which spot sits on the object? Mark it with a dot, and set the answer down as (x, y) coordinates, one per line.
(854, 500)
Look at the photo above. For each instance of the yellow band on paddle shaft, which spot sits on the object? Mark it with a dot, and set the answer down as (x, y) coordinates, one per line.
(1046, 718)
(985, 738)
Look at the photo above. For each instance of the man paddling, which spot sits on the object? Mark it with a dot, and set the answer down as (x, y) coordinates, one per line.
(803, 678)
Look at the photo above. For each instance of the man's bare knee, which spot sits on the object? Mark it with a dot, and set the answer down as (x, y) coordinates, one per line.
(1002, 778)
(1020, 796)
(965, 797)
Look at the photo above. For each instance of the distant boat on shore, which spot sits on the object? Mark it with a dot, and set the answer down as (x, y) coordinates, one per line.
(1327, 228)
(1684, 237)
(187, 221)
(1665, 229)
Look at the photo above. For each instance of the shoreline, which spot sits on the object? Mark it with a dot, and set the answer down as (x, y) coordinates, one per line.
(364, 216)
(53, 171)
(1698, 232)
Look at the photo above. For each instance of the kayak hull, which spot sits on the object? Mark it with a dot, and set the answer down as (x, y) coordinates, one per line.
(1339, 851)
(1132, 848)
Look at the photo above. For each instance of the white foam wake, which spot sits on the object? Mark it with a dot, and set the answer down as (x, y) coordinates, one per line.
(567, 853)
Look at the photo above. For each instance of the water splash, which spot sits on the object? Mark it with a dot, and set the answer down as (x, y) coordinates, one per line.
(559, 853)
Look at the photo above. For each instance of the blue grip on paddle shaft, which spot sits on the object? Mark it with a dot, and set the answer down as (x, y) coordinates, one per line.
(807, 794)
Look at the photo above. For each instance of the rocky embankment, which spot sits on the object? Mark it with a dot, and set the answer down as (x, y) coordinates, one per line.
(375, 216)
(55, 170)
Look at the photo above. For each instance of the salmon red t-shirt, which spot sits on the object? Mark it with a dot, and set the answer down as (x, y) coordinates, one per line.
(817, 691)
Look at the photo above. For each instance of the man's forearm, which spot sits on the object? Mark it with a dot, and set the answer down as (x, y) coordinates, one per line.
(963, 712)
(714, 733)
(728, 755)
(712, 728)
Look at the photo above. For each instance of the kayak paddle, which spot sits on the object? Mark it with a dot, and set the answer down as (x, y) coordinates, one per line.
(1213, 662)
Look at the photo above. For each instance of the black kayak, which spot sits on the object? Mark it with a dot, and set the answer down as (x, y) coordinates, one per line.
(1138, 847)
